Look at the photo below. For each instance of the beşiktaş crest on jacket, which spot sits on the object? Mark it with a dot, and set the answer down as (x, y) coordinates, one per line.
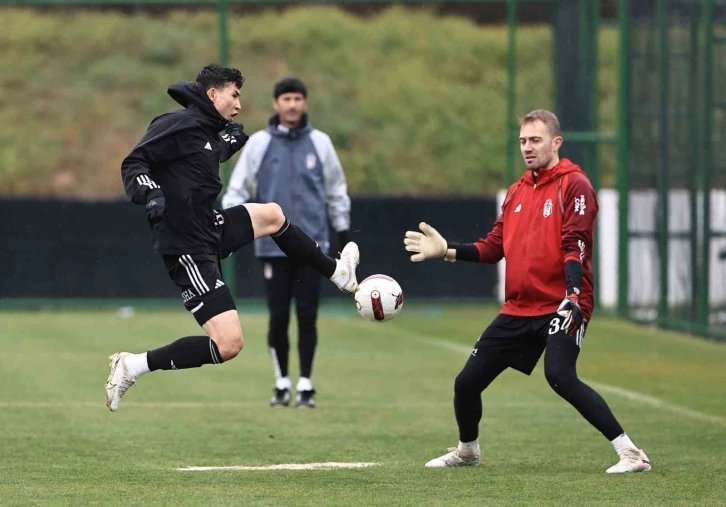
(181, 153)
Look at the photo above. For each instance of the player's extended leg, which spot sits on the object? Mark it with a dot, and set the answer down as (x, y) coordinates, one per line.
(278, 275)
(224, 342)
(560, 370)
(480, 370)
(208, 299)
(307, 297)
(269, 220)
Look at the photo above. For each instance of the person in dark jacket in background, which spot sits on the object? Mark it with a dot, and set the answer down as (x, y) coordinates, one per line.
(295, 165)
(174, 173)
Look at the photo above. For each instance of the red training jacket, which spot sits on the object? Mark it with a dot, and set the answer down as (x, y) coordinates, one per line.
(542, 225)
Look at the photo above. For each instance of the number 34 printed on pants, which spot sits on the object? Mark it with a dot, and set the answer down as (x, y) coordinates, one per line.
(555, 326)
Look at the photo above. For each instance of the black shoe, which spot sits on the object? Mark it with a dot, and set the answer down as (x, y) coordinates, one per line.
(281, 398)
(305, 399)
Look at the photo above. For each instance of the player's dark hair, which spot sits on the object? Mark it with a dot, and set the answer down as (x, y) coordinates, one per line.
(216, 76)
(546, 117)
(290, 85)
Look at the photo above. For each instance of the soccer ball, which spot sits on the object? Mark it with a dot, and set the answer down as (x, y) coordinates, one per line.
(379, 298)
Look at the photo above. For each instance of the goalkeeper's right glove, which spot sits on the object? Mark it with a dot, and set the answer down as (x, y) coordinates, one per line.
(429, 245)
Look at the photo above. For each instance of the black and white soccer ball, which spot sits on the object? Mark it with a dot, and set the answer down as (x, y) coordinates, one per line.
(379, 298)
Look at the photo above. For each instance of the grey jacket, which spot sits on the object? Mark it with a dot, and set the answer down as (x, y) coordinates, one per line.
(299, 170)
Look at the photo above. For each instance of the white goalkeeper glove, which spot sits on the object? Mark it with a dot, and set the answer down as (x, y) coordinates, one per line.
(429, 245)
(571, 313)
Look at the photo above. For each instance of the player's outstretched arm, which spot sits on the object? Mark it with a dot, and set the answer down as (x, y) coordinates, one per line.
(429, 244)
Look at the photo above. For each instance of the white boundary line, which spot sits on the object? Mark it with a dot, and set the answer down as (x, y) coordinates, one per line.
(289, 466)
(618, 391)
(396, 405)
(656, 402)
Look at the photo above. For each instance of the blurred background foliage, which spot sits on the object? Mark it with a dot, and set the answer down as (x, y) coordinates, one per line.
(414, 102)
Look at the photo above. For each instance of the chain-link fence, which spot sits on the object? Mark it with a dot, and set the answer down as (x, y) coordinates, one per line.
(676, 172)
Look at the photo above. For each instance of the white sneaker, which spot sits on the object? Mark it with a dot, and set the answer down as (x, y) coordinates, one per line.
(455, 458)
(633, 461)
(345, 278)
(119, 380)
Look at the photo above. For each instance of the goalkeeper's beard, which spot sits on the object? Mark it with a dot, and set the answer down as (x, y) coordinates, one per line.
(541, 165)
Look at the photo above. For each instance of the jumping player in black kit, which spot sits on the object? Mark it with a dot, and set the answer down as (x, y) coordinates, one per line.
(174, 173)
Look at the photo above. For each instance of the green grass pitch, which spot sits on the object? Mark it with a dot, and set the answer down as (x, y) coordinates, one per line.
(385, 396)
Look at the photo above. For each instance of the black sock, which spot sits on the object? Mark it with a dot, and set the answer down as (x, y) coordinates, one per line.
(298, 246)
(187, 352)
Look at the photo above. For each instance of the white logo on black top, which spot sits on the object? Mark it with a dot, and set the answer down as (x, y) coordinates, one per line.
(187, 295)
(218, 218)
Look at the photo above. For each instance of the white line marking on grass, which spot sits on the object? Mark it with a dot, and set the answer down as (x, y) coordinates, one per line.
(655, 402)
(392, 405)
(289, 466)
(618, 391)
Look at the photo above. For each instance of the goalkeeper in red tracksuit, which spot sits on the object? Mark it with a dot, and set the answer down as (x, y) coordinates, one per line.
(545, 232)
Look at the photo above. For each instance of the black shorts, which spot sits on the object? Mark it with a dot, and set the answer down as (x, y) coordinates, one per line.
(199, 276)
(520, 341)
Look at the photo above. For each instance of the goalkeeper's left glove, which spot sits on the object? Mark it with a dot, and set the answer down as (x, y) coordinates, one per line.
(429, 245)
(571, 313)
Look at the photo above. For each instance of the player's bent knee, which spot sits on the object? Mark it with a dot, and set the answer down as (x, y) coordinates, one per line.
(229, 345)
(226, 332)
(275, 216)
(463, 383)
(267, 219)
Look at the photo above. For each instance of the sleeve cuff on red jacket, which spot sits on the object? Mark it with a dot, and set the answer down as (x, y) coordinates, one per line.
(480, 248)
(573, 257)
